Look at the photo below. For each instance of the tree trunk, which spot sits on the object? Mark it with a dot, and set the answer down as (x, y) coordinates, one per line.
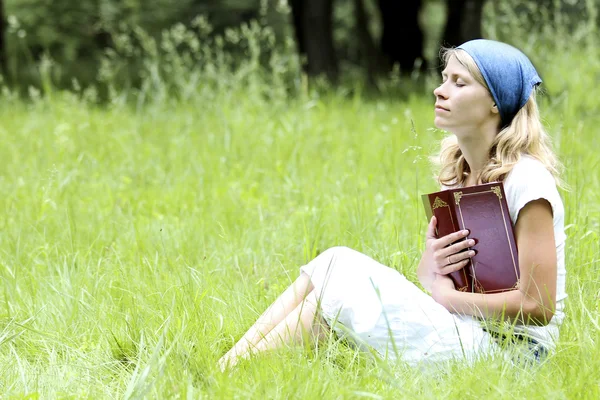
(297, 20)
(313, 23)
(369, 52)
(463, 22)
(402, 38)
(3, 62)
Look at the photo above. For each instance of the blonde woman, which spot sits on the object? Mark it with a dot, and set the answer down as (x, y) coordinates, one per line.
(487, 102)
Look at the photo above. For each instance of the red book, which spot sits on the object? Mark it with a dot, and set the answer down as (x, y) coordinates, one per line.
(483, 210)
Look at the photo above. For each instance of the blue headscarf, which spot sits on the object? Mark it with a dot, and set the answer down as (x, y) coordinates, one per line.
(508, 73)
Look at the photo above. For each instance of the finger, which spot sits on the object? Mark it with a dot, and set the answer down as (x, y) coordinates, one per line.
(431, 228)
(453, 237)
(457, 248)
(454, 267)
(457, 257)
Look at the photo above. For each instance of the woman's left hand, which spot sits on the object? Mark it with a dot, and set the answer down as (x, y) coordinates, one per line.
(441, 290)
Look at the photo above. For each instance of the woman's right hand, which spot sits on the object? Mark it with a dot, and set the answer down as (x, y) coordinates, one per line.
(443, 257)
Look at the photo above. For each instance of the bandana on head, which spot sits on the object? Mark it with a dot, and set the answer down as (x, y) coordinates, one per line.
(508, 73)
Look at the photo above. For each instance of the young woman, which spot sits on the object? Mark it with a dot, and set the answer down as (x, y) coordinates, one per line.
(487, 102)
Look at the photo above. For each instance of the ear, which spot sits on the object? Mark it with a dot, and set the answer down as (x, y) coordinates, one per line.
(495, 109)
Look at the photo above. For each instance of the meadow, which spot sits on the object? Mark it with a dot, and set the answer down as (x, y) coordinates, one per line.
(140, 238)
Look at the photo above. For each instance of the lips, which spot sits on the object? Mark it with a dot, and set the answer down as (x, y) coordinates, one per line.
(438, 107)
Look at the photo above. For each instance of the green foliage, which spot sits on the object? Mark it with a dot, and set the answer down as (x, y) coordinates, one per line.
(78, 37)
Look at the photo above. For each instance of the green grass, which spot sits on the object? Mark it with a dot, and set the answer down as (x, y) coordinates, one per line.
(138, 242)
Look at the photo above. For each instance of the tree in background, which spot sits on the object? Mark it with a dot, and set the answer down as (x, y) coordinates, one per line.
(374, 36)
(401, 42)
(402, 37)
(313, 23)
(463, 21)
(2, 43)
(375, 62)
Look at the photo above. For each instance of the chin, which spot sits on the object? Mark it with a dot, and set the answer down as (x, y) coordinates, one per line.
(440, 124)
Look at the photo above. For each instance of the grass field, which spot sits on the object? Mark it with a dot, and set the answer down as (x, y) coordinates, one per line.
(138, 242)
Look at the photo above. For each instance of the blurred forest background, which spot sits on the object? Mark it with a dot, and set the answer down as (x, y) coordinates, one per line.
(77, 44)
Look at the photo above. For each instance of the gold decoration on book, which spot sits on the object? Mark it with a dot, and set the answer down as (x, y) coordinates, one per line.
(478, 287)
(439, 203)
(496, 189)
(457, 197)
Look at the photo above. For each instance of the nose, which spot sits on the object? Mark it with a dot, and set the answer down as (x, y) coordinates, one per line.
(439, 92)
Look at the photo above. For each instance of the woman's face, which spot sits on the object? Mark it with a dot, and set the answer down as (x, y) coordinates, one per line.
(463, 104)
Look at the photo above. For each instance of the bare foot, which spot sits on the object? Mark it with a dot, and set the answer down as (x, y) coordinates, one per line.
(226, 362)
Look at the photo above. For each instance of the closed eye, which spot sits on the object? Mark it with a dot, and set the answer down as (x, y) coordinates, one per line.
(458, 79)
(456, 82)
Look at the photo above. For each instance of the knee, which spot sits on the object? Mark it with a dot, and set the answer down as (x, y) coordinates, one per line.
(336, 252)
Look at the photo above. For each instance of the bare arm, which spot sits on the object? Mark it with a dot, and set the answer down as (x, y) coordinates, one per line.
(426, 277)
(535, 300)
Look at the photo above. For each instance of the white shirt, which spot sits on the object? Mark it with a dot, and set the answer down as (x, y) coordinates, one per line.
(529, 180)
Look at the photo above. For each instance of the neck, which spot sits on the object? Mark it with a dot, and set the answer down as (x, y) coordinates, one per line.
(475, 148)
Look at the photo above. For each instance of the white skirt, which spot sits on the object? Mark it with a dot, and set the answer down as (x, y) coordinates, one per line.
(375, 306)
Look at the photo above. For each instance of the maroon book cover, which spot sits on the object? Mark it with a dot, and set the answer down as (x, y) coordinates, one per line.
(483, 210)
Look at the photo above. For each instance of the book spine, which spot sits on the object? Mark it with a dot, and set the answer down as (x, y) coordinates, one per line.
(462, 278)
(442, 206)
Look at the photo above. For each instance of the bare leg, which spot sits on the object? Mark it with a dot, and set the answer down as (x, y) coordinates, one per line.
(280, 309)
(303, 324)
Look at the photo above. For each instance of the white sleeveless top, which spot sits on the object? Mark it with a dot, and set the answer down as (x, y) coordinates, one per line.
(529, 180)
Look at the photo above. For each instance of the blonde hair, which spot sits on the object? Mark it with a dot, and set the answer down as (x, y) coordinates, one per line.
(524, 135)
